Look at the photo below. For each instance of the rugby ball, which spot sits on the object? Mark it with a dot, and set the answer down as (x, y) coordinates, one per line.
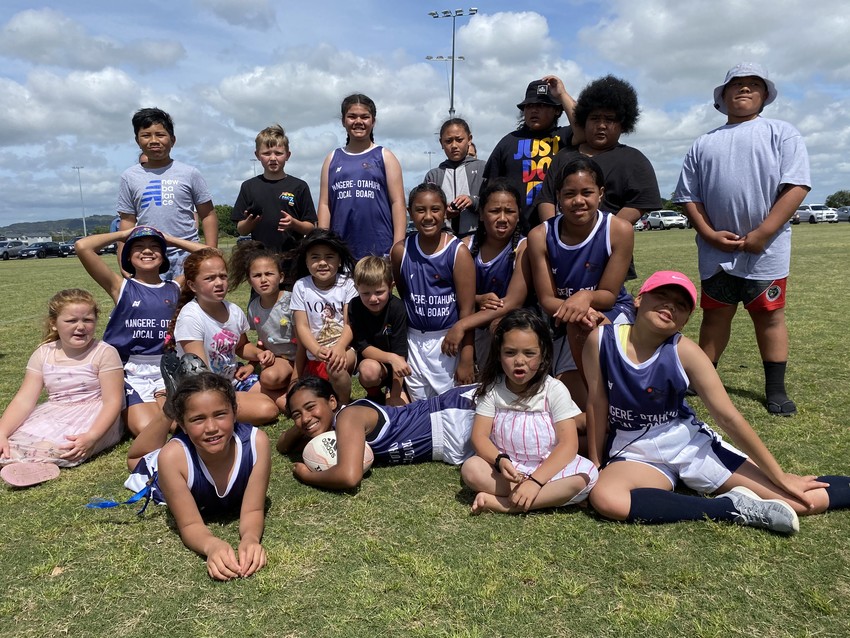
(320, 453)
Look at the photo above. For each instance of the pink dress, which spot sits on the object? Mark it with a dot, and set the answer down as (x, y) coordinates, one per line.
(74, 401)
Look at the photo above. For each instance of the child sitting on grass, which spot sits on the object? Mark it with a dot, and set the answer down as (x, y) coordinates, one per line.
(646, 438)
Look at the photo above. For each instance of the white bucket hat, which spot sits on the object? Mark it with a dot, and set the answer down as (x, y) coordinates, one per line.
(742, 70)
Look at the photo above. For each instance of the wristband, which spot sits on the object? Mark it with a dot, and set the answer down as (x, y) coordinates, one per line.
(529, 476)
(499, 457)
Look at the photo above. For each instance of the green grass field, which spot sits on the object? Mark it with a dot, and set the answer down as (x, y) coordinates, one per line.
(403, 557)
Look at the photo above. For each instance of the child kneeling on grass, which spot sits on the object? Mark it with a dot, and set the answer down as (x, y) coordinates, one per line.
(214, 465)
(646, 438)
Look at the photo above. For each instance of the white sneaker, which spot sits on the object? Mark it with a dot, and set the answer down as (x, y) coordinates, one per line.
(772, 513)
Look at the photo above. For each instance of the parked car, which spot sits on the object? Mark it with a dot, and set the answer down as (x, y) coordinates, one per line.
(67, 248)
(815, 213)
(642, 224)
(11, 248)
(795, 218)
(665, 219)
(843, 214)
(42, 249)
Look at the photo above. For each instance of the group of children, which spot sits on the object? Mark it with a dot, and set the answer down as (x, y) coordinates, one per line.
(579, 393)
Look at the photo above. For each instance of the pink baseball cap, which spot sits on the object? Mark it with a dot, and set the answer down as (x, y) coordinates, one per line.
(670, 278)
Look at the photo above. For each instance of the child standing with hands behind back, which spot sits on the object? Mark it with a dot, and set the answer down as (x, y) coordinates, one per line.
(436, 279)
(524, 433)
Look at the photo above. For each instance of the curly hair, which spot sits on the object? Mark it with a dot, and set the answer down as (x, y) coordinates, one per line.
(243, 256)
(611, 94)
(191, 267)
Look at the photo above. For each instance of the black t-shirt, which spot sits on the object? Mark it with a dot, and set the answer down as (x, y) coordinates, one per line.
(523, 158)
(386, 331)
(290, 194)
(629, 179)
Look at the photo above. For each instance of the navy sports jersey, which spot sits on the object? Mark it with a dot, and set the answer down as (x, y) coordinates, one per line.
(139, 322)
(428, 285)
(404, 434)
(359, 201)
(580, 267)
(495, 275)
(643, 395)
(200, 482)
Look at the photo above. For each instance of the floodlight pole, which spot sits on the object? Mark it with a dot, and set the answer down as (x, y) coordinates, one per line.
(429, 154)
(82, 204)
(446, 13)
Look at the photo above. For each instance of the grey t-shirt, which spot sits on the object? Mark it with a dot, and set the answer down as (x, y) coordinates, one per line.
(164, 198)
(737, 172)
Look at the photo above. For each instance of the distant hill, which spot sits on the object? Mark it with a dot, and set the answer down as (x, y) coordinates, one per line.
(57, 227)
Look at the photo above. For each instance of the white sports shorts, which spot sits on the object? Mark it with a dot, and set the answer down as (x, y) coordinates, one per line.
(682, 451)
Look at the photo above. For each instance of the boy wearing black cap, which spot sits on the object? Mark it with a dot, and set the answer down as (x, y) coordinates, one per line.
(740, 185)
(523, 156)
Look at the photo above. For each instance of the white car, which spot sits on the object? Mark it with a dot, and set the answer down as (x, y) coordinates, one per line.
(814, 213)
(664, 219)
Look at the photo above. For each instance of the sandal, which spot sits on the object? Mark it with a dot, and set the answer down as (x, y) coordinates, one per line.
(28, 474)
(784, 408)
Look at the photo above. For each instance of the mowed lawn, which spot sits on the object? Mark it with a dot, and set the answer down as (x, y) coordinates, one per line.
(403, 557)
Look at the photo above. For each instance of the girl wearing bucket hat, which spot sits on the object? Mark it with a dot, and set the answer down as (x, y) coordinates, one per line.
(740, 185)
(144, 305)
(523, 156)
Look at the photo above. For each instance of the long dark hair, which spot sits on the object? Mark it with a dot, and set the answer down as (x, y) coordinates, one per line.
(521, 319)
(318, 386)
(498, 185)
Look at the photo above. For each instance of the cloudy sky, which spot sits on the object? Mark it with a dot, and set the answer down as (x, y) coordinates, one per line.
(72, 74)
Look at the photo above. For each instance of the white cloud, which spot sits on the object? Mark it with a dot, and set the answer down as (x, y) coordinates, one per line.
(48, 37)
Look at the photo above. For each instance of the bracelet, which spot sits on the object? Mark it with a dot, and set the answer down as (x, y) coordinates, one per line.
(529, 476)
(498, 460)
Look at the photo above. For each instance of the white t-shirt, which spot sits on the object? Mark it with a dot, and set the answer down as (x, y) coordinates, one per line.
(560, 404)
(219, 339)
(325, 308)
(737, 172)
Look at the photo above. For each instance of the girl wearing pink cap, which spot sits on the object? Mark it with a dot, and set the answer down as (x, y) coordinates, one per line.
(646, 438)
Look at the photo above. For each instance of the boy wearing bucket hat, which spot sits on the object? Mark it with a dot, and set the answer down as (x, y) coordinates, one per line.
(144, 305)
(740, 185)
(523, 156)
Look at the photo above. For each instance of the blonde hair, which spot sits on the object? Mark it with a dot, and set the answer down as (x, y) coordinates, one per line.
(373, 271)
(270, 136)
(59, 302)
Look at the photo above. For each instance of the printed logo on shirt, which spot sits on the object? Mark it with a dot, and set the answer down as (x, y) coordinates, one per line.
(287, 198)
(536, 156)
(137, 303)
(159, 193)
